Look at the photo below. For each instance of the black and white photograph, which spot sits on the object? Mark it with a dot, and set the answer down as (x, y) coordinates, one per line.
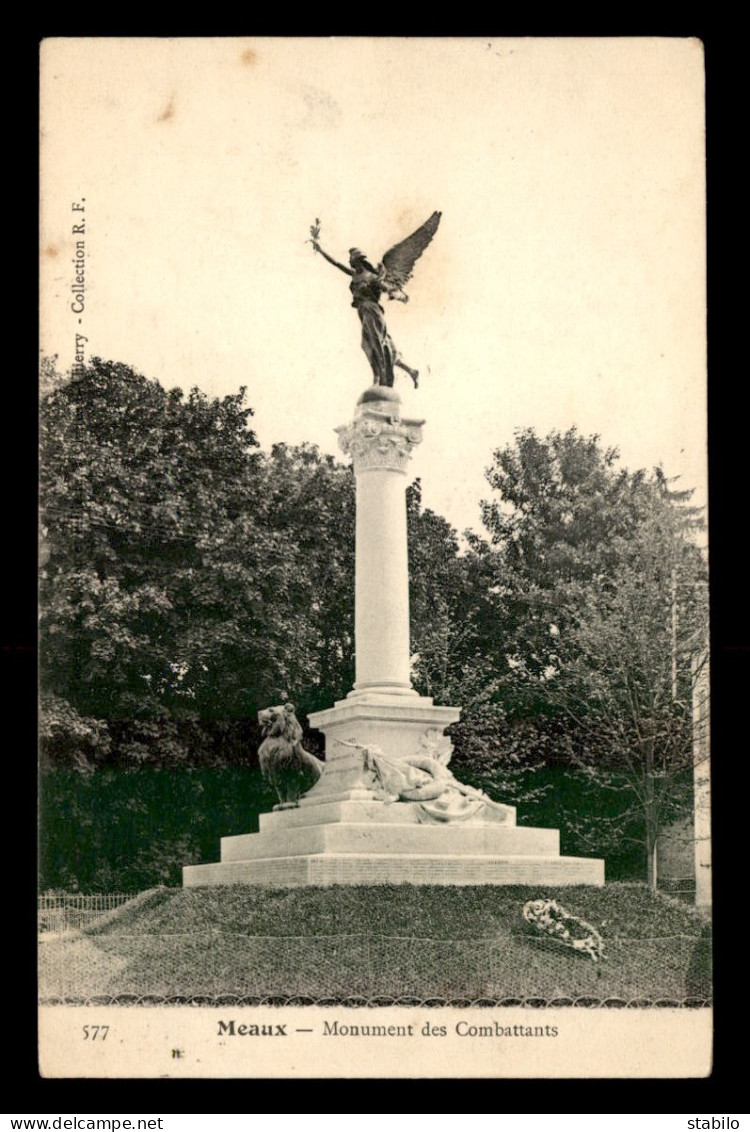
(373, 600)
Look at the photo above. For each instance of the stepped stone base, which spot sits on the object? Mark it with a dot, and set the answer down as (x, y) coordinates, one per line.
(363, 840)
(422, 840)
(354, 868)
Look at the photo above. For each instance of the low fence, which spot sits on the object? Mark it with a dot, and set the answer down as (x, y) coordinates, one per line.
(681, 887)
(69, 911)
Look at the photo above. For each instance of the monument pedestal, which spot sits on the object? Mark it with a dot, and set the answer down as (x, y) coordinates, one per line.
(349, 829)
(399, 725)
(342, 833)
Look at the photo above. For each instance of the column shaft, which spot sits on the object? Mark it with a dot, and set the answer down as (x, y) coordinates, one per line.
(381, 581)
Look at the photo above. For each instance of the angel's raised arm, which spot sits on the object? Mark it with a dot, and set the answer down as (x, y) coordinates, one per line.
(335, 262)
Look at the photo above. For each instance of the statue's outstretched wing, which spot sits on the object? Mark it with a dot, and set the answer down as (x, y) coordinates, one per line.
(399, 261)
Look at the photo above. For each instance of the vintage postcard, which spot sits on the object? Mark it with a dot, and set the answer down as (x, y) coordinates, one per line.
(373, 567)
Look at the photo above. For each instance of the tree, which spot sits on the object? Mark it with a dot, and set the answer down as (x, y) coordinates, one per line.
(187, 574)
(604, 592)
(455, 616)
(446, 608)
(562, 504)
(309, 499)
(188, 580)
(632, 660)
(140, 489)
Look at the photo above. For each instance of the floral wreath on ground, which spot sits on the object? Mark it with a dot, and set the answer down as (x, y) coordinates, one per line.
(549, 919)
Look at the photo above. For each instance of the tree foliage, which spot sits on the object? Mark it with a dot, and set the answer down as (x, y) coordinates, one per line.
(188, 579)
(142, 494)
(186, 575)
(449, 606)
(634, 654)
(309, 499)
(603, 589)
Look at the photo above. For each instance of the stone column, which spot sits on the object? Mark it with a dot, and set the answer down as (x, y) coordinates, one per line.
(380, 445)
(382, 709)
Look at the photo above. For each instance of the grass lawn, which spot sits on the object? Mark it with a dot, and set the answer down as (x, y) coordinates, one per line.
(382, 942)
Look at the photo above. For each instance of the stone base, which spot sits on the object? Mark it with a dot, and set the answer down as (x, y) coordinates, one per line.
(345, 839)
(328, 869)
(387, 840)
(395, 719)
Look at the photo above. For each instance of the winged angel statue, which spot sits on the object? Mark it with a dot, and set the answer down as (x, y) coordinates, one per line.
(369, 283)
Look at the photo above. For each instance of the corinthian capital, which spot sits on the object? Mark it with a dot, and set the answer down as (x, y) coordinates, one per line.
(379, 443)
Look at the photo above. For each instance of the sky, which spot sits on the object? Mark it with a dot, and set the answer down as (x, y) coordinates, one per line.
(565, 285)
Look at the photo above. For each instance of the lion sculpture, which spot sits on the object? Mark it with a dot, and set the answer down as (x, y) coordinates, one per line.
(284, 762)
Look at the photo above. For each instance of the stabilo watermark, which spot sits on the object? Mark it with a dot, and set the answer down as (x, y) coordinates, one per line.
(714, 1122)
